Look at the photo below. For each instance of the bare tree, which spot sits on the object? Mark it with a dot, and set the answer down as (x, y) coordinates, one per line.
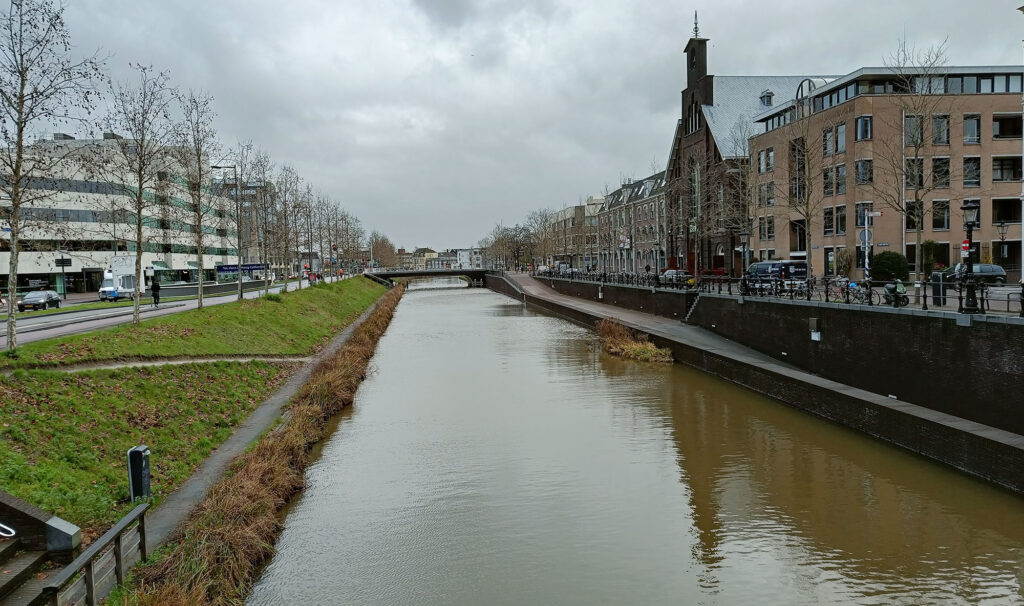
(263, 208)
(900, 179)
(39, 84)
(196, 144)
(138, 159)
(382, 250)
(287, 186)
(243, 158)
(540, 228)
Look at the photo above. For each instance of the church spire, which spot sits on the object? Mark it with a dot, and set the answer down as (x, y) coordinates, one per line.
(696, 30)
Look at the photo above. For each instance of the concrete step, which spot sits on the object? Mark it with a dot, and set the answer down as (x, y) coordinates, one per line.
(8, 547)
(19, 569)
(28, 593)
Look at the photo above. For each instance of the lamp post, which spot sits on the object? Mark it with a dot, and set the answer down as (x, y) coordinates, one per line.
(657, 257)
(1003, 228)
(238, 222)
(970, 209)
(744, 238)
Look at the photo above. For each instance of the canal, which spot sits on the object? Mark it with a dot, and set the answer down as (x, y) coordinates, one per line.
(497, 456)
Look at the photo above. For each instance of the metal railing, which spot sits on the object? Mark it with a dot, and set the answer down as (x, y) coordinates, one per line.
(87, 562)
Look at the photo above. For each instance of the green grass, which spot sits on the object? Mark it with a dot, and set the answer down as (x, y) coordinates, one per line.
(146, 301)
(63, 436)
(295, 325)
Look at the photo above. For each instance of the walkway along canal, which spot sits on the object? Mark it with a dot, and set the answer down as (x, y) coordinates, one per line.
(497, 456)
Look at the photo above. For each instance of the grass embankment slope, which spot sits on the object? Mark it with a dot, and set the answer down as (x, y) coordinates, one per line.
(291, 324)
(63, 436)
(220, 550)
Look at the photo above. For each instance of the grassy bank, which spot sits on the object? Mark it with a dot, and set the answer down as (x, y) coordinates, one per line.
(619, 340)
(294, 323)
(63, 436)
(219, 552)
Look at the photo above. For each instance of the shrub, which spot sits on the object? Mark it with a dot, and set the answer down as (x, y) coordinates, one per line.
(273, 298)
(889, 265)
(844, 262)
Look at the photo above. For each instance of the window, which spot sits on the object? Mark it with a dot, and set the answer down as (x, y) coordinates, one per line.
(840, 138)
(840, 220)
(914, 214)
(865, 171)
(911, 254)
(954, 85)
(771, 194)
(827, 176)
(913, 173)
(972, 128)
(940, 130)
(985, 85)
(861, 209)
(970, 84)
(770, 227)
(940, 215)
(762, 228)
(940, 172)
(762, 164)
(770, 154)
(972, 172)
(1006, 127)
(840, 179)
(913, 131)
(863, 125)
(1006, 209)
(827, 142)
(829, 218)
(1006, 169)
(771, 252)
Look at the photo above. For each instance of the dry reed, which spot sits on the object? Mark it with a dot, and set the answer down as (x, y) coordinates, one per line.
(620, 340)
(216, 556)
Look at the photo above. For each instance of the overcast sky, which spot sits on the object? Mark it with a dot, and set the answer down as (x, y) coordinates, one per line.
(432, 120)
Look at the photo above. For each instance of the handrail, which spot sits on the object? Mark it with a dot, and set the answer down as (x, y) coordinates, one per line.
(53, 587)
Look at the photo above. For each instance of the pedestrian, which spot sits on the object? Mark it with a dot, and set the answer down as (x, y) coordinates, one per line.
(156, 293)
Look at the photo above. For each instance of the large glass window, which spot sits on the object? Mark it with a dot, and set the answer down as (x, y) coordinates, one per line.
(828, 215)
(840, 220)
(827, 142)
(940, 130)
(972, 172)
(913, 131)
(865, 171)
(914, 210)
(863, 124)
(861, 209)
(1006, 127)
(827, 177)
(970, 84)
(1006, 169)
(840, 138)
(940, 215)
(940, 172)
(840, 179)
(972, 128)
(913, 173)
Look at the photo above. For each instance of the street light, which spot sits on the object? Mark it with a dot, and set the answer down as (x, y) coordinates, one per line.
(970, 208)
(238, 224)
(1003, 227)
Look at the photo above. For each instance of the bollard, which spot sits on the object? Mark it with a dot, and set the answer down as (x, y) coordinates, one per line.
(924, 299)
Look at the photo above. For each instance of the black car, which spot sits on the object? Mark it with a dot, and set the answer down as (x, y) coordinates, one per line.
(39, 299)
(983, 272)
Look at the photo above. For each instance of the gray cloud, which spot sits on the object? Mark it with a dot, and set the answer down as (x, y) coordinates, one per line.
(432, 120)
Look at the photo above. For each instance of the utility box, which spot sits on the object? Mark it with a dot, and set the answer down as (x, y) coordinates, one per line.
(138, 472)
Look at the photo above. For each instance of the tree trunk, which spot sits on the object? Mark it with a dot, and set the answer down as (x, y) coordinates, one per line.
(12, 284)
(137, 295)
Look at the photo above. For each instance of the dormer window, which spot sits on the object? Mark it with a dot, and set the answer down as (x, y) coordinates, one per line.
(766, 98)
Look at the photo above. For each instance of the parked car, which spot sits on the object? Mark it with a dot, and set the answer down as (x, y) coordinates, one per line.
(983, 272)
(39, 299)
(676, 276)
(788, 270)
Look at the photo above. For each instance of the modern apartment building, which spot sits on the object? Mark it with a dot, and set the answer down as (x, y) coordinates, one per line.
(912, 144)
(77, 222)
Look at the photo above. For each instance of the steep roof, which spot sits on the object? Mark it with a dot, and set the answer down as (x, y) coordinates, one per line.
(737, 101)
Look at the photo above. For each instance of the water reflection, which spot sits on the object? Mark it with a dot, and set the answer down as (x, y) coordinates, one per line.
(497, 456)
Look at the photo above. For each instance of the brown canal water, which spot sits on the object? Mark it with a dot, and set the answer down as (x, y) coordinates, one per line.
(496, 456)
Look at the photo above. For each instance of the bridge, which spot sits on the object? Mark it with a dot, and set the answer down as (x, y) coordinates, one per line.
(476, 276)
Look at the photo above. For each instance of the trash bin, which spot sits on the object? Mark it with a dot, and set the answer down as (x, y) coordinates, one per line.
(138, 472)
(938, 289)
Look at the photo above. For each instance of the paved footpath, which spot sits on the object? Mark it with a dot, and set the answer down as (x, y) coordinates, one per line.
(710, 342)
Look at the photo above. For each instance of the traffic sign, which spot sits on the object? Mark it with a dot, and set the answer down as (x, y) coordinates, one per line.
(966, 245)
(62, 262)
(865, 235)
(874, 213)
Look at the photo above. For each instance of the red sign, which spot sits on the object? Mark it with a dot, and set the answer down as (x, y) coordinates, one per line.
(966, 245)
